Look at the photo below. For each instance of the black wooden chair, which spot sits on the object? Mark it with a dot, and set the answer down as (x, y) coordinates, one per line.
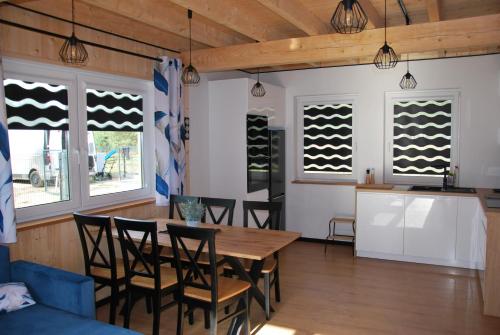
(198, 289)
(226, 205)
(143, 274)
(100, 262)
(270, 270)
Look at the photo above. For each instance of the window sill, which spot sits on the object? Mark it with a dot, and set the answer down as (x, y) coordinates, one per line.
(69, 217)
(324, 182)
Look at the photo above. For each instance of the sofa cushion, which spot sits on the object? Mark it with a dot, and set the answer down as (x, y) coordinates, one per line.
(4, 265)
(14, 296)
(39, 319)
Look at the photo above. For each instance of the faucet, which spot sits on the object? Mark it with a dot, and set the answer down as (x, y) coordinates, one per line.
(445, 176)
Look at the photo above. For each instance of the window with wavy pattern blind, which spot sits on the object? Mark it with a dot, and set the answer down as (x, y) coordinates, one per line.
(328, 140)
(422, 137)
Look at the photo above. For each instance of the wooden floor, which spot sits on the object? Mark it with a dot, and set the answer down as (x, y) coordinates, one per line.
(338, 294)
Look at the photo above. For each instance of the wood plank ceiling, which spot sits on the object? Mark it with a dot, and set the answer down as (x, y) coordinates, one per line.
(219, 24)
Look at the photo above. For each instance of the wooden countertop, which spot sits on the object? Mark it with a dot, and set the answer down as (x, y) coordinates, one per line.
(388, 188)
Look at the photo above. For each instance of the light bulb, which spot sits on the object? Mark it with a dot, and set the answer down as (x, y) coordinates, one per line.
(348, 17)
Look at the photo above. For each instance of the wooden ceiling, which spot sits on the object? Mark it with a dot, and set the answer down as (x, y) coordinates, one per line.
(263, 28)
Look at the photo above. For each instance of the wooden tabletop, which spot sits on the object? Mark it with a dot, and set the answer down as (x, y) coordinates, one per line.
(249, 243)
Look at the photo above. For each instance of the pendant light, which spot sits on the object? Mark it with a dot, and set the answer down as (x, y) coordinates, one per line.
(386, 58)
(73, 51)
(349, 17)
(408, 82)
(190, 76)
(258, 89)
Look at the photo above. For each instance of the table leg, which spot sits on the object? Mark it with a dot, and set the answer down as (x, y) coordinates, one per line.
(253, 278)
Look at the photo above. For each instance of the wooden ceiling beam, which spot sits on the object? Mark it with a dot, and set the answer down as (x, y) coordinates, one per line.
(227, 13)
(482, 31)
(296, 13)
(374, 19)
(166, 16)
(433, 10)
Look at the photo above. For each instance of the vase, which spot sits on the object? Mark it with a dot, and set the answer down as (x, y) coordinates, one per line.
(192, 223)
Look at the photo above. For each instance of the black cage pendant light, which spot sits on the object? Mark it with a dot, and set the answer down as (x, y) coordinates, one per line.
(258, 89)
(408, 82)
(73, 51)
(190, 76)
(386, 58)
(349, 17)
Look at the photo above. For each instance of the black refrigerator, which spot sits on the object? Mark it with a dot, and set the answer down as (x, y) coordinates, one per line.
(277, 181)
(266, 160)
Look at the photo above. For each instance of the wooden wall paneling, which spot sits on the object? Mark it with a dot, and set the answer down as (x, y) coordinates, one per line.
(466, 33)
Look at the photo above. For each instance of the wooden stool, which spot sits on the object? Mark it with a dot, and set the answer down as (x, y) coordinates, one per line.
(333, 236)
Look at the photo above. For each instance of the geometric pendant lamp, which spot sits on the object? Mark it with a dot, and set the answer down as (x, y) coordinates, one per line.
(386, 58)
(73, 51)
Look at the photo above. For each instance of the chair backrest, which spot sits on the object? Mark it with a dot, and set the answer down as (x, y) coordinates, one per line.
(227, 206)
(272, 221)
(102, 255)
(174, 202)
(134, 235)
(191, 242)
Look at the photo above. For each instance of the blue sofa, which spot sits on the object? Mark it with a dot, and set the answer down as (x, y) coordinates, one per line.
(64, 301)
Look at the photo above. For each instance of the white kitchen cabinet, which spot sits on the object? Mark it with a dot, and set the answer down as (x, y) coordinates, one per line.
(430, 226)
(467, 230)
(379, 223)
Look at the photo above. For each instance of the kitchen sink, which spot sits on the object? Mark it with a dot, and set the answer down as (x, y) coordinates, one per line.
(440, 189)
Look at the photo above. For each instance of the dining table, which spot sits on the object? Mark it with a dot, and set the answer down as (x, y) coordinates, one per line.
(235, 244)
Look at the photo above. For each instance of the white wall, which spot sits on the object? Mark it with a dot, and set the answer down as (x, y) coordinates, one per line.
(309, 207)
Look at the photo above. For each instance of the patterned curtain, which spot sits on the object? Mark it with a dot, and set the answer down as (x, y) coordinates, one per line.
(169, 130)
(7, 212)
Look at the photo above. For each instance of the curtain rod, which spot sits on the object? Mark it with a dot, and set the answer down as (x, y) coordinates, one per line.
(90, 27)
(45, 32)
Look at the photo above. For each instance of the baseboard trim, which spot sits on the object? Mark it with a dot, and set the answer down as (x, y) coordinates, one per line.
(323, 241)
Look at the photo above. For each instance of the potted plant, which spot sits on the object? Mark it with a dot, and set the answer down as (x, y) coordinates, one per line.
(192, 211)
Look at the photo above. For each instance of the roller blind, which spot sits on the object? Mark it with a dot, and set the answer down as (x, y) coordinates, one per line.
(328, 138)
(35, 105)
(422, 137)
(114, 111)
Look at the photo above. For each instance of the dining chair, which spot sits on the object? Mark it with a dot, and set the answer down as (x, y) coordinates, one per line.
(144, 276)
(226, 206)
(100, 260)
(270, 269)
(198, 289)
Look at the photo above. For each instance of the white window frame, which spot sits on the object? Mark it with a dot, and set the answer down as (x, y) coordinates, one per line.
(75, 80)
(131, 86)
(300, 102)
(390, 98)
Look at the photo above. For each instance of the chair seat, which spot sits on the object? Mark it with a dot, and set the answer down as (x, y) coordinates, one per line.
(227, 289)
(106, 273)
(167, 275)
(269, 265)
(167, 252)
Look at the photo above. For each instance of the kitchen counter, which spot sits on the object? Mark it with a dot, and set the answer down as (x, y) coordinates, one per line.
(403, 189)
(489, 273)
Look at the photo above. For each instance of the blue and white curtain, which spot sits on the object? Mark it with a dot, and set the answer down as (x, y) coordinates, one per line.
(7, 212)
(169, 130)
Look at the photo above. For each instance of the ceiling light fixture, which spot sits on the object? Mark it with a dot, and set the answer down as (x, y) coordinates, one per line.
(386, 58)
(73, 51)
(349, 17)
(408, 82)
(258, 89)
(190, 76)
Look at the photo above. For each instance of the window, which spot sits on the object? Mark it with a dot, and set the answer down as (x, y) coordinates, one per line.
(114, 135)
(76, 138)
(326, 137)
(421, 134)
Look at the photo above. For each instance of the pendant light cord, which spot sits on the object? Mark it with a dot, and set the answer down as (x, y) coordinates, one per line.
(385, 21)
(73, 16)
(190, 16)
(408, 62)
